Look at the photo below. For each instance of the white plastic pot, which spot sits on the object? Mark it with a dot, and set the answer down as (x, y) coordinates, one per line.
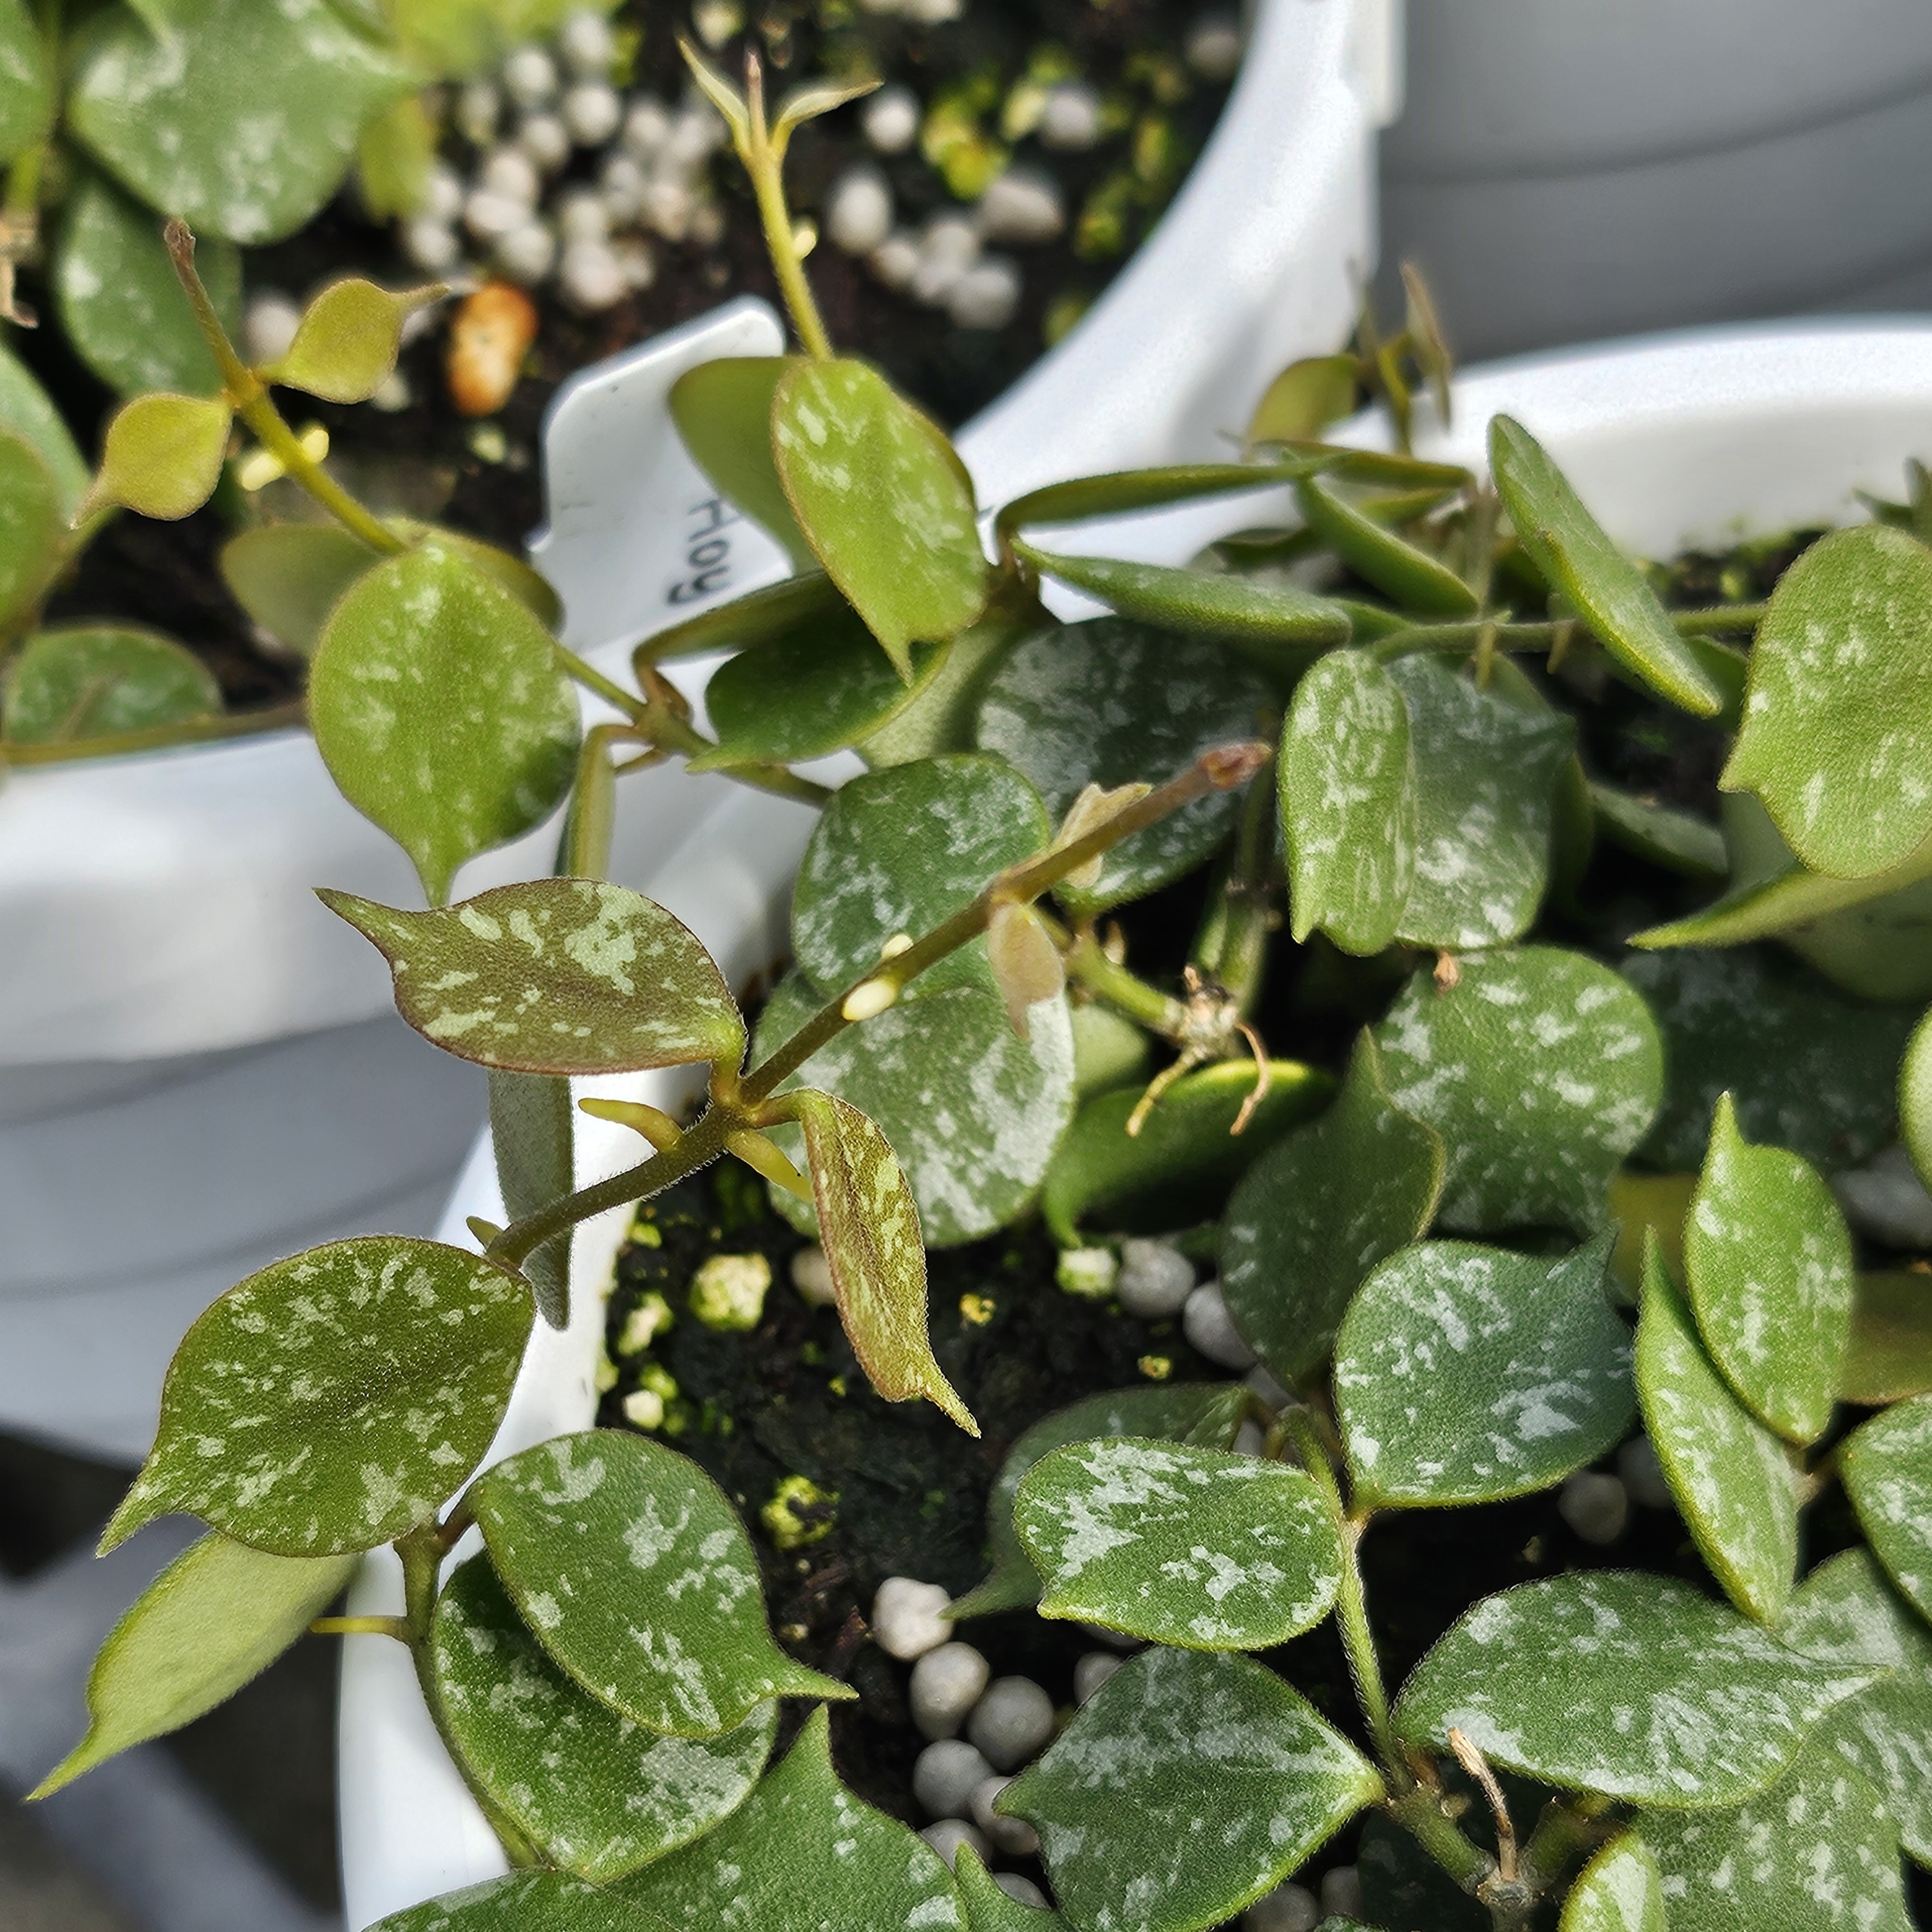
(1566, 171)
(198, 1071)
(1688, 440)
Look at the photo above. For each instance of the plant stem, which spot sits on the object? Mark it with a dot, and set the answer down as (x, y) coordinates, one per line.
(591, 679)
(1419, 1812)
(1544, 634)
(764, 166)
(1232, 948)
(1567, 1831)
(398, 1627)
(584, 851)
(1126, 992)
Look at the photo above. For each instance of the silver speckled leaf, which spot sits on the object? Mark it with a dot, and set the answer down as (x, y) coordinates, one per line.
(1620, 1890)
(1207, 1756)
(1195, 1547)
(990, 1909)
(633, 1571)
(601, 1796)
(1634, 1685)
(803, 1854)
(555, 976)
(1886, 1467)
(1466, 1374)
(526, 1901)
(1728, 1472)
(334, 1400)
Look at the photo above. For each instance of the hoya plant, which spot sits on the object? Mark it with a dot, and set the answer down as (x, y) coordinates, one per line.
(1431, 771)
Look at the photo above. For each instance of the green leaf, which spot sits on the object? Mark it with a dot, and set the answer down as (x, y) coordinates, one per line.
(1234, 1804)
(1889, 1355)
(219, 1615)
(1408, 575)
(1636, 1686)
(67, 685)
(599, 1796)
(973, 1113)
(898, 852)
(333, 1400)
(1915, 1095)
(1486, 772)
(394, 155)
(1769, 1264)
(1620, 1890)
(1728, 1472)
(1576, 558)
(162, 456)
(1279, 626)
(941, 716)
(501, 566)
(1818, 1853)
(631, 1567)
(723, 411)
(555, 976)
(345, 347)
(1177, 1170)
(1347, 777)
(870, 1228)
(1195, 1547)
(440, 710)
(1206, 1413)
(531, 1131)
(1886, 1467)
(1845, 1609)
(1691, 847)
(241, 119)
(34, 535)
(1465, 1374)
(1319, 1211)
(28, 411)
(1838, 719)
(800, 1855)
(988, 1909)
(1304, 399)
(288, 577)
(526, 1901)
(1541, 1071)
(27, 89)
(1805, 1066)
(1110, 702)
(883, 500)
(1119, 491)
(808, 694)
(120, 302)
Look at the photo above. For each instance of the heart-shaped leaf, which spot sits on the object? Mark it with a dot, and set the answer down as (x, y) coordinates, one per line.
(27, 90)
(1818, 1853)
(601, 1797)
(1838, 720)
(898, 852)
(532, 1135)
(1207, 1414)
(1636, 1686)
(1407, 574)
(333, 1400)
(723, 411)
(1486, 770)
(162, 456)
(629, 1565)
(1110, 702)
(1347, 776)
(526, 1901)
(884, 502)
(345, 346)
(1728, 1472)
(1845, 1610)
(1315, 1214)
(1889, 1355)
(973, 1113)
(439, 708)
(1177, 1170)
(802, 1854)
(870, 1228)
(1280, 627)
(555, 976)
(1194, 1547)
(1769, 1264)
(120, 302)
(28, 411)
(1235, 1803)
(1540, 1069)
(1886, 1467)
(219, 1615)
(67, 685)
(1465, 1374)
(990, 1909)
(240, 118)
(1620, 1890)
(1576, 558)
(1805, 1067)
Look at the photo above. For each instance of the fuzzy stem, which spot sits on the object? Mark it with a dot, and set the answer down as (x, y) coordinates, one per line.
(763, 164)
(1232, 949)
(1126, 992)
